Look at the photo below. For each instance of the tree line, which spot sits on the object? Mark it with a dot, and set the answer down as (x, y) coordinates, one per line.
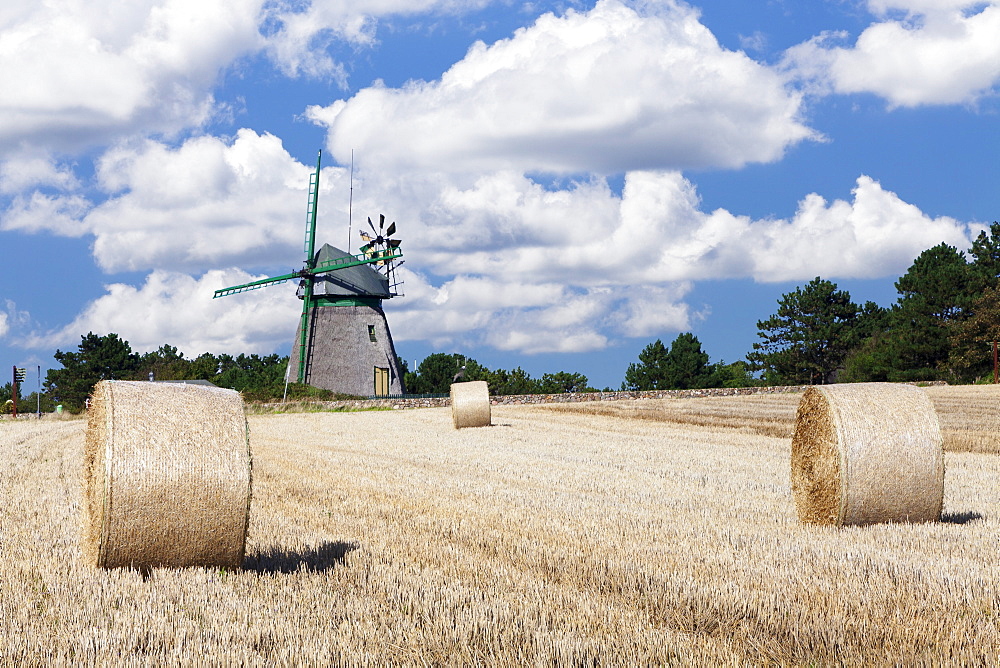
(258, 378)
(942, 326)
(436, 372)
(110, 357)
(261, 378)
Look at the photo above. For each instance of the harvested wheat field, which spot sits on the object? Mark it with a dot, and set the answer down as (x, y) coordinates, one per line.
(552, 537)
(969, 415)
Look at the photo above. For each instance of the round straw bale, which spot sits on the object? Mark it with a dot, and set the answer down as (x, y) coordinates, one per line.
(864, 453)
(167, 476)
(470, 404)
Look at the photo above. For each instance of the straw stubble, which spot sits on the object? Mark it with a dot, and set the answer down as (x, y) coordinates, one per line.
(538, 542)
(167, 476)
(866, 453)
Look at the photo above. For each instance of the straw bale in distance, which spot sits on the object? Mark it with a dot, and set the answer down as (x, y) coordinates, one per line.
(865, 453)
(470, 404)
(167, 476)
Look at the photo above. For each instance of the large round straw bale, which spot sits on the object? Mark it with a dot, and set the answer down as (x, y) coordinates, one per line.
(167, 476)
(864, 453)
(470, 404)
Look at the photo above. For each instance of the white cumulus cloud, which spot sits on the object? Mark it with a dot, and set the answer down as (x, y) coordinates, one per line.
(77, 74)
(82, 74)
(14, 323)
(37, 211)
(19, 173)
(506, 225)
(178, 309)
(298, 33)
(504, 313)
(921, 52)
(615, 88)
(541, 271)
(208, 203)
(876, 234)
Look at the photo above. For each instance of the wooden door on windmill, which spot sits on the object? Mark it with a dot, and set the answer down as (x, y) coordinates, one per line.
(381, 381)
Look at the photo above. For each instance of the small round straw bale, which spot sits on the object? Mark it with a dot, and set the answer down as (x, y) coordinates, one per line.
(864, 453)
(167, 476)
(470, 404)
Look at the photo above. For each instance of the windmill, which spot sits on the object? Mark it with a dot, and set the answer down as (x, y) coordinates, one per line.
(343, 341)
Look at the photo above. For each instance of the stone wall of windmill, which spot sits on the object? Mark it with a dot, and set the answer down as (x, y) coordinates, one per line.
(350, 350)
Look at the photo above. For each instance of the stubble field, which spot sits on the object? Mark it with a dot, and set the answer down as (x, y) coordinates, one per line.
(611, 533)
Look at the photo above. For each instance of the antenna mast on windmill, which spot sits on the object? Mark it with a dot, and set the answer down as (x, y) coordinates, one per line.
(343, 341)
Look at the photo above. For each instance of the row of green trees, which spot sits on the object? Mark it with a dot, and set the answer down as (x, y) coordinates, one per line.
(262, 378)
(259, 378)
(683, 366)
(110, 357)
(436, 372)
(7, 400)
(941, 327)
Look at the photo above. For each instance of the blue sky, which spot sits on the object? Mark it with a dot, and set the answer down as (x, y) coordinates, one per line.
(571, 180)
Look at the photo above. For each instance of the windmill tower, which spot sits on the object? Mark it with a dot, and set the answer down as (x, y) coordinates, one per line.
(343, 341)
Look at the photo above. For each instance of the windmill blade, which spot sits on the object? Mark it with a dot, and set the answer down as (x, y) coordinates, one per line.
(236, 289)
(391, 230)
(365, 236)
(372, 226)
(393, 243)
(371, 256)
(309, 245)
(381, 223)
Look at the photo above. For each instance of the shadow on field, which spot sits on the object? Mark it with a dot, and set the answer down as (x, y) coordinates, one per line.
(276, 560)
(961, 518)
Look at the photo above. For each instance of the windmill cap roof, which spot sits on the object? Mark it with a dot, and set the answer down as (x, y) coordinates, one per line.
(358, 281)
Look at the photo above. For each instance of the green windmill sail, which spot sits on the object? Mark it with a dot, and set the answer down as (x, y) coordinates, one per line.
(342, 342)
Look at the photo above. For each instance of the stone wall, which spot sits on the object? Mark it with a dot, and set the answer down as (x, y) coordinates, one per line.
(527, 399)
(524, 399)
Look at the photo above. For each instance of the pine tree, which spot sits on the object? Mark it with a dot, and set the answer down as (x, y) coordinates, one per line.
(684, 366)
(809, 337)
(650, 372)
(970, 357)
(97, 358)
